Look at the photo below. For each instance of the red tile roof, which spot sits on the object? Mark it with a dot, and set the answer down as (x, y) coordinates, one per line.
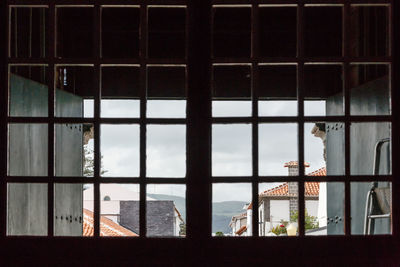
(241, 230)
(107, 226)
(311, 188)
(238, 217)
(319, 172)
(295, 163)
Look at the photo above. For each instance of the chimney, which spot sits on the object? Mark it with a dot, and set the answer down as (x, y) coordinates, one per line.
(293, 187)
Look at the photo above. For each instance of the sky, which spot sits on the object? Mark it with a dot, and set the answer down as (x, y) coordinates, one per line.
(231, 144)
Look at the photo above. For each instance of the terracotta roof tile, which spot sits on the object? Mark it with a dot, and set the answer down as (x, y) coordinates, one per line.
(311, 188)
(319, 172)
(241, 230)
(107, 226)
(281, 190)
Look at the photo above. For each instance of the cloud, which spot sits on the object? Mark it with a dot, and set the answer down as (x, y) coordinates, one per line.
(231, 192)
(231, 147)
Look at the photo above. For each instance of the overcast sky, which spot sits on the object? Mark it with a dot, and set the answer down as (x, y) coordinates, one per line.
(231, 144)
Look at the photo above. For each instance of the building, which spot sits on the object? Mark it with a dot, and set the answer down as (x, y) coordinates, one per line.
(107, 227)
(239, 224)
(364, 38)
(121, 205)
(276, 205)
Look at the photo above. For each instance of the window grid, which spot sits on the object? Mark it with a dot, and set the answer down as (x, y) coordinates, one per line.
(345, 60)
(51, 61)
(96, 62)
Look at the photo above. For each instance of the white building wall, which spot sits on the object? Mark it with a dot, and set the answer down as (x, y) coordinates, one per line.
(267, 228)
(261, 228)
(312, 207)
(279, 210)
(177, 224)
(249, 222)
(322, 205)
(237, 227)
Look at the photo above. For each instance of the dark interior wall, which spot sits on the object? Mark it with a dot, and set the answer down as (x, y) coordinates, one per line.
(27, 203)
(370, 98)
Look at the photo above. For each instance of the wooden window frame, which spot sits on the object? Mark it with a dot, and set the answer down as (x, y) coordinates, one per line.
(199, 246)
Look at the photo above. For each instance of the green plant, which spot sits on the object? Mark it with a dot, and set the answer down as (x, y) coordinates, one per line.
(279, 229)
(311, 222)
(219, 234)
(182, 229)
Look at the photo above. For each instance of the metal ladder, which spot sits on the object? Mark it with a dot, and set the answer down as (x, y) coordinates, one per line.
(378, 200)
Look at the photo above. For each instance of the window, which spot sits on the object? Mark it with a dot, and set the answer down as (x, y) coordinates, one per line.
(179, 107)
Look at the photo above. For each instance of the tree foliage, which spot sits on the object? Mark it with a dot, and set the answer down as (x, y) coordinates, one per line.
(88, 162)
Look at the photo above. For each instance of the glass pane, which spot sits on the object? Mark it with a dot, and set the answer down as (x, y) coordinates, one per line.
(231, 210)
(370, 89)
(28, 91)
(28, 32)
(370, 148)
(231, 91)
(324, 208)
(231, 150)
(370, 30)
(120, 32)
(324, 147)
(278, 31)
(166, 210)
(166, 151)
(119, 209)
(120, 92)
(278, 209)
(74, 156)
(74, 85)
(323, 31)
(315, 145)
(27, 209)
(27, 153)
(323, 90)
(167, 32)
(278, 149)
(371, 208)
(232, 32)
(74, 32)
(119, 150)
(277, 90)
(70, 217)
(166, 92)
(231, 108)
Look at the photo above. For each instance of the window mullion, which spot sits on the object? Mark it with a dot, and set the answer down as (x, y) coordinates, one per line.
(4, 22)
(199, 122)
(143, 107)
(51, 114)
(300, 97)
(254, 93)
(97, 97)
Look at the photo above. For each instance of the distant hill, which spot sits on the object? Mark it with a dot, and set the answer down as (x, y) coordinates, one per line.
(222, 211)
(222, 214)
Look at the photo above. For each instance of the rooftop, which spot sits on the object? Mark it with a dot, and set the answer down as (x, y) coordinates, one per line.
(295, 163)
(107, 226)
(311, 188)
